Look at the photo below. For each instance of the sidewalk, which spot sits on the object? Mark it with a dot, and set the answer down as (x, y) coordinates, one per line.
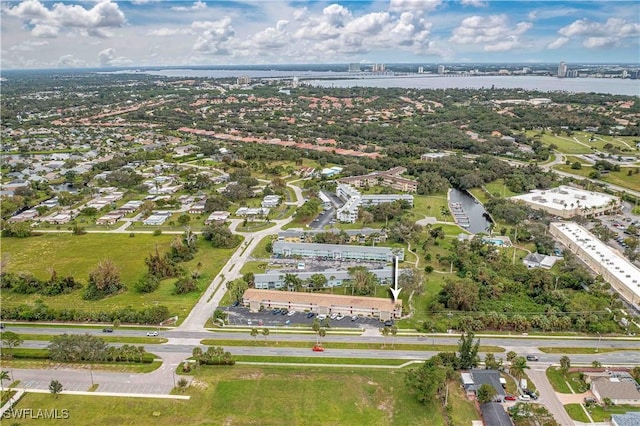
(12, 401)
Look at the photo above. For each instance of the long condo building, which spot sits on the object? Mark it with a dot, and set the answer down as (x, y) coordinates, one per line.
(623, 276)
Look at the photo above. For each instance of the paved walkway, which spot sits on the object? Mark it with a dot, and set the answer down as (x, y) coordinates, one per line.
(11, 402)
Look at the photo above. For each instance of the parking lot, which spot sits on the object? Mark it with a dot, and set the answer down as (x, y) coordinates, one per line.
(240, 315)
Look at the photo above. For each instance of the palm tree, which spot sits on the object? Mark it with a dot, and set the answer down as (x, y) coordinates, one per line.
(265, 333)
(292, 281)
(394, 331)
(321, 333)
(385, 333)
(4, 375)
(254, 332)
(518, 366)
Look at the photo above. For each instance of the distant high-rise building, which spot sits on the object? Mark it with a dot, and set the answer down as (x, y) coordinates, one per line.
(572, 73)
(294, 82)
(526, 70)
(625, 73)
(562, 70)
(242, 80)
(420, 70)
(354, 67)
(377, 68)
(441, 69)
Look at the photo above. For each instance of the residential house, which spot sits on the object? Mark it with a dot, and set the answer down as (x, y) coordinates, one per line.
(538, 260)
(620, 392)
(217, 217)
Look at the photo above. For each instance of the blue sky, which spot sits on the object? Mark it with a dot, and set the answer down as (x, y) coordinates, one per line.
(47, 34)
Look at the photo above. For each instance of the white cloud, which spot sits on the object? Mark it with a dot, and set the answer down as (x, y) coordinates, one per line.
(108, 58)
(494, 32)
(600, 35)
(216, 36)
(423, 5)
(45, 31)
(169, 32)
(68, 61)
(47, 23)
(558, 43)
(29, 45)
(600, 42)
(198, 5)
(474, 3)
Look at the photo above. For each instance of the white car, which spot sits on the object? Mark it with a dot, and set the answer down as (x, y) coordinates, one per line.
(152, 333)
(321, 317)
(333, 316)
(524, 398)
(339, 317)
(291, 313)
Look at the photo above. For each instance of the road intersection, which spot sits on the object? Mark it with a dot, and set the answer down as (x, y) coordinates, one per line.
(182, 340)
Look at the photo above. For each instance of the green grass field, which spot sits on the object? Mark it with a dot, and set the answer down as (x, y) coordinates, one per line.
(564, 143)
(617, 178)
(272, 341)
(78, 255)
(559, 382)
(576, 412)
(570, 350)
(269, 396)
(601, 414)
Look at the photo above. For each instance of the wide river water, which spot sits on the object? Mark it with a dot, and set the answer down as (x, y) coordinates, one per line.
(616, 86)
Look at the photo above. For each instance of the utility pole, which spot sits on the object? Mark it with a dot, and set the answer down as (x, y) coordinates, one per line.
(515, 240)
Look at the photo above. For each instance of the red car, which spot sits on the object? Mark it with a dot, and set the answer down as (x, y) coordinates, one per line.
(318, 348)
(510, 398)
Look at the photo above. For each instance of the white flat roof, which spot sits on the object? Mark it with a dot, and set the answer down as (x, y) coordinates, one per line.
(566, 195)
(608, 258)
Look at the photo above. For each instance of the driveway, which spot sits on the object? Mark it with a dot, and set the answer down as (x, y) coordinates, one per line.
(548, 396)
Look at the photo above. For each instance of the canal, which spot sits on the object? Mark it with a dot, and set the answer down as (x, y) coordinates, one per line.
(475, 216)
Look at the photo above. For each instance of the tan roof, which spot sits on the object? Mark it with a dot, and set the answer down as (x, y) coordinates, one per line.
(321, 299)
(616, 390)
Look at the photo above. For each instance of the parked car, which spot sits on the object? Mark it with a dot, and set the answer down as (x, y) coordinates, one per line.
(107, 330)
(322, 317)
(354, 317)
(532, 358)
(524, 398)
(531, 393)
(510, 398)
(236, 303)
(284, 312)
(291, 313)
(152, 333)
(339, 317)
(275, 311)
(333, 316)
(310, 315)
(318, 348)
(590, 400)
(388, 323)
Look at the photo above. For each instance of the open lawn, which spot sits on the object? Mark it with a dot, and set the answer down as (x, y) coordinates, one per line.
(269, 396)
(431, 205)
(601, 414)
(561, 383)
(388, 344)
(565, 144)
(576, 412)
(569, 350)
(78, 255)
(620, 178)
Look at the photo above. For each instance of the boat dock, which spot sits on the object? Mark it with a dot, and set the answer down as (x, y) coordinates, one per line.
(459, 215)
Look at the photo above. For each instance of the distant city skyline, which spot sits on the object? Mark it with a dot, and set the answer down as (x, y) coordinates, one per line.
(141, 33)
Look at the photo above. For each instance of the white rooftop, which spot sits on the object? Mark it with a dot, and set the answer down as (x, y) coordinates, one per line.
(617, 265)
(566, 198)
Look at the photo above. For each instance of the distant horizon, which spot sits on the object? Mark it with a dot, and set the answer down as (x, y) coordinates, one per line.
(319, 64)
